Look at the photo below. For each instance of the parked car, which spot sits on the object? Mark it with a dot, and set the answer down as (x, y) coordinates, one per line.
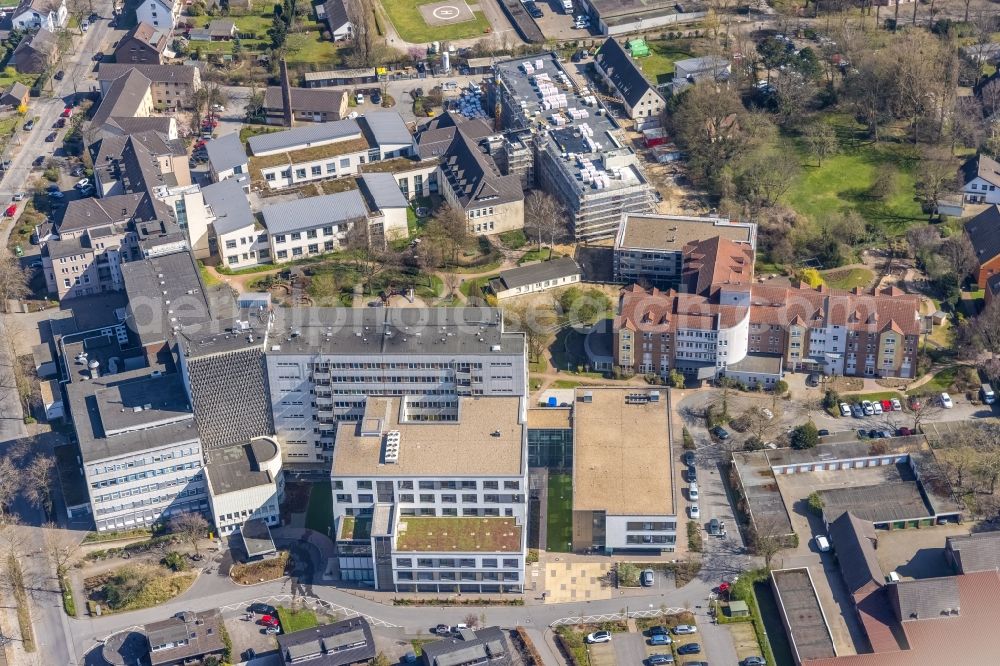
(534, 10)
(599, 637)
(442, 630)
(823, 432)
(867, 407)
(694, 511)
(692, 474)
(768, 414)
(19, 196)
(720, 433)
(822, 543)
(886, 405)
(862, 433)
(50, 138)
(80, 184)
(67, 112)
(359, 98)
(262, 609)
(877, 408)
(59, 75)
(38, 161)
(660, 659)
(30, 125)
(688, 458)
(60, 122)
(913, 402)
(813, 379)
(269, 620)
(98, 57)
(77, 171)
(376, 98)
(896, 405)
(856, 411)
(11, 211)
(693, 492)
(657, 630)
(873, 434)
(689, 648)
(647, 578)
(946, 401)
(685, 629)
(754, 661)
(904, 432)
(715, 527)
(845, 409)
(56, 194)
(660, 639)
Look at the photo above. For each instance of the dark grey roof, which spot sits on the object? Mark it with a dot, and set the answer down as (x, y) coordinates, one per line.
(194, 635)
(543, 270)
(981, 166)
(307, 100)
(391, 331)
(312, 212)
(984, 234)
(125, 125)
(91, 403)
(164, 292)
(386, 128)
(156, 73)
(345, 642)
(336, 13)
(226, 152)
(123, 97)
(474, 178)
(229, 204)
(90, 212)
(618, 66)
(487, 645)
(299, 137)
(881, 503)
(853, 540)
(256, 537)
(238, 467)
(67, 247)
(381, 191)
(435, 137)
(975, 552)
(925, 599)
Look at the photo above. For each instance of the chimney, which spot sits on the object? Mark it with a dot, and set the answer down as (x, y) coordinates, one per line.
(286, 95)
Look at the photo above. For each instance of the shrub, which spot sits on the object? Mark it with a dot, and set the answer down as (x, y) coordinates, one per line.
(628, 574)
(753, 443)
(688, 439)
(532, 556)
(175, 561)
(780, 387)
(831, 399)
(815, 502)
(694, 537)
(742, 422)
(805, 436)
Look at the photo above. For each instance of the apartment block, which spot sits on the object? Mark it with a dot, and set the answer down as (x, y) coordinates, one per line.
(235, 234)
(245, 482)
(171, 87)
(429, 494)
(323, 362)
(581, 154)
(649, 249)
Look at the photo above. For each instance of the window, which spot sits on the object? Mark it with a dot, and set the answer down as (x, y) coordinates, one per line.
(282, 254)
(343, 498)
(426, 485)
(317, 170)
(404, 562)
(345, 162)
(405, 485)
(313, 248)
(331, 167)
(489, 563)
(511, 485)
(230, 245)
(300, 173)
(491, 485)
(364, 485)
(297, 252)
(269, 176)
(469, 498)
(450, 499)
(327, 231)
(406, 498)
(509, 563)
(296, 235)
(311, 233)
(365, 498)
(279, 238)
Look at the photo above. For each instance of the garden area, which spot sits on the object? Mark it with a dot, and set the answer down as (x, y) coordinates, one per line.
(296, 619)
(559, 519)
(251, 573)
(136, 586)
(658, 66)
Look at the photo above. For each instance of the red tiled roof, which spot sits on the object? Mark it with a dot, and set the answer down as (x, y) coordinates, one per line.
(717, 261)
(967, 638)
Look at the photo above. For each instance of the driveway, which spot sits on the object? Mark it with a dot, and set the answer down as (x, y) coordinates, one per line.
(630, 649)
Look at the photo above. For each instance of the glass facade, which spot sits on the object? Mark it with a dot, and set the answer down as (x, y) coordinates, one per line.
(550, 447)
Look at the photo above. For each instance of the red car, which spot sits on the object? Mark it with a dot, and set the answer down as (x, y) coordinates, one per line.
(886, 406)
(67, 112)
(11, 210)
(268, 620)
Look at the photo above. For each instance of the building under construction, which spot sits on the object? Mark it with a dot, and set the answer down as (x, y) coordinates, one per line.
(579, 153)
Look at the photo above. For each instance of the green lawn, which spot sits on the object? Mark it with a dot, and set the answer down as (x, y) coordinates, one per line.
(877, 396)
(296, 619)
(537, 255)
(848, 278)
(658, 67)
(843, 181)
(559, 524)
(319, 513)
(409, 23)
(306, 48)
(564, 384)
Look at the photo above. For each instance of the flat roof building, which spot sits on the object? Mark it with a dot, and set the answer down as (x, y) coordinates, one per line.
(802, 615)
(623, 496)
(245, 482)
(429, 494)
(539, 276)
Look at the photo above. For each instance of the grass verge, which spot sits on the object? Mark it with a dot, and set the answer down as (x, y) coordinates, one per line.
(16, 576)
(409, 23)
(69, 603)
(259, 572)
(559, 521)
(296, 619)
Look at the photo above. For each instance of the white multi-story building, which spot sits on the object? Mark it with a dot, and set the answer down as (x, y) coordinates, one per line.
(48, 14)
(429, 494)
(161, 14)
(323, 362)
(139, 445)
(245, 482)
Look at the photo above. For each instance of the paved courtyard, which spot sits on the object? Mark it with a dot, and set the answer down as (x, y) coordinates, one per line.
(575, 581)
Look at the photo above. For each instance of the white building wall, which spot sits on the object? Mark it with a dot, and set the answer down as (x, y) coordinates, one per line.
(733, 342)
(307, 241)
(158, 14)
(539, 286)
(303, 172)
(618, 529)
(138, 489)
(247, 246)
(230, 510)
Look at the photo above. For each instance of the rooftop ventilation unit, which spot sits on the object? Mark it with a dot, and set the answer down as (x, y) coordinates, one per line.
(392, 447)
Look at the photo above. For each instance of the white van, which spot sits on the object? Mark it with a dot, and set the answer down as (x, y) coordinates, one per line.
(986, 391)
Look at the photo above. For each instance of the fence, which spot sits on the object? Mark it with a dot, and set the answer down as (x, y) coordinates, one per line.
(615, 617)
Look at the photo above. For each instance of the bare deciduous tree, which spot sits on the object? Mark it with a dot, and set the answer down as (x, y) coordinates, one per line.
(544, 216)
(191, 527)
(39, 477)
(13, 280)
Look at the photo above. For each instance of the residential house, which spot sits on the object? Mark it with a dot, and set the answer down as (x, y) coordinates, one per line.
(470, 647)
(388, 134)
(689, 71)
(186, 638)
(532, 278)
(217, 30)
(338, 644)
(227, 157)
(416, 477)
(308, 105)
(615, 65)
(983, 232)
(245, 483)
(35, 53)
(238, 239)
(337, 20)
(143, 44)
(387, 208)
(307, 153)
(50, 15)
(16, 95)
(980, 176)
(172, 86)
(162, 14)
